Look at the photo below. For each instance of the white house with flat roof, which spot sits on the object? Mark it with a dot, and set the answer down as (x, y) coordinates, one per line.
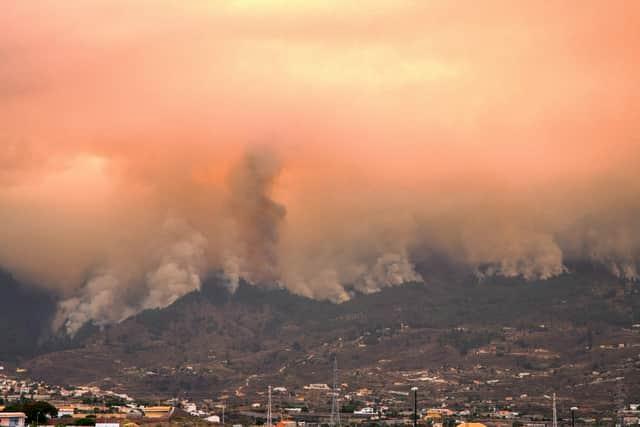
(12, 419)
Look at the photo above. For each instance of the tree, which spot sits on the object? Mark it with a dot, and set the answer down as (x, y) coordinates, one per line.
(348, 407)
(86, 422)
(449, 422)
(14, 407)
(35, 411)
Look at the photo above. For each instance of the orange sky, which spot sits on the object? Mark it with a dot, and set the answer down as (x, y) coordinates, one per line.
(500, 133)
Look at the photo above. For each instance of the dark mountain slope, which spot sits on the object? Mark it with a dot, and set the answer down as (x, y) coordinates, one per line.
(25, 316)
(211, 340)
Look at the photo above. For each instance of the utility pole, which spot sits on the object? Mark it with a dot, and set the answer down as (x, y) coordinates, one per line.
(335, 408)
(555, 413)
(415, 406)
(620, 399)
(573, 416)
(269, 421)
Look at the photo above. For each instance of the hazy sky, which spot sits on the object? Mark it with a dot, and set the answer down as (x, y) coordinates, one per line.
(312, 145)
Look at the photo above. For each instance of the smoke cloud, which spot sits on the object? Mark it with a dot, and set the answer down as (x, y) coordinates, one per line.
(504, 140)
(256, 217)
(173, 267)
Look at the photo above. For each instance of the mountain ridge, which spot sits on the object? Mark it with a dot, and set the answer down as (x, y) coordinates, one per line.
(226, 337)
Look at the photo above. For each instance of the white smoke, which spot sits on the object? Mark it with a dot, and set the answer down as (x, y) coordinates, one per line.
(180, 261)
(175, 266)
(616, 247)
(515, 252)
(325, 284)
(231, 267)
(98, 302)
(336, 280)
(390, 269)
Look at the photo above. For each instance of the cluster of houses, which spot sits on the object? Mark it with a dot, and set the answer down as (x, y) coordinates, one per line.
(111, 409)
(12, 390)
(83, 401)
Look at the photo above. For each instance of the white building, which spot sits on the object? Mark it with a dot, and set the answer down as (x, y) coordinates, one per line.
(12, 419)
(323, 387)
(364, 412)
(213, 419)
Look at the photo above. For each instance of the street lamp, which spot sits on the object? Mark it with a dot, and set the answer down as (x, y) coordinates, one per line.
(555, 413)
(573, 416)
(415, 406)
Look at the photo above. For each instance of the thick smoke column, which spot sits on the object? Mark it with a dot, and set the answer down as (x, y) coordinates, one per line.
(256, 217)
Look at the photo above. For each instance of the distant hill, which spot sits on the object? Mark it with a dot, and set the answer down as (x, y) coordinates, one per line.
(25, 315)
(224, 338)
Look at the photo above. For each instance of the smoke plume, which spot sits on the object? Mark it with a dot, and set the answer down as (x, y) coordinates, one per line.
(172, 267)
(256, 217)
